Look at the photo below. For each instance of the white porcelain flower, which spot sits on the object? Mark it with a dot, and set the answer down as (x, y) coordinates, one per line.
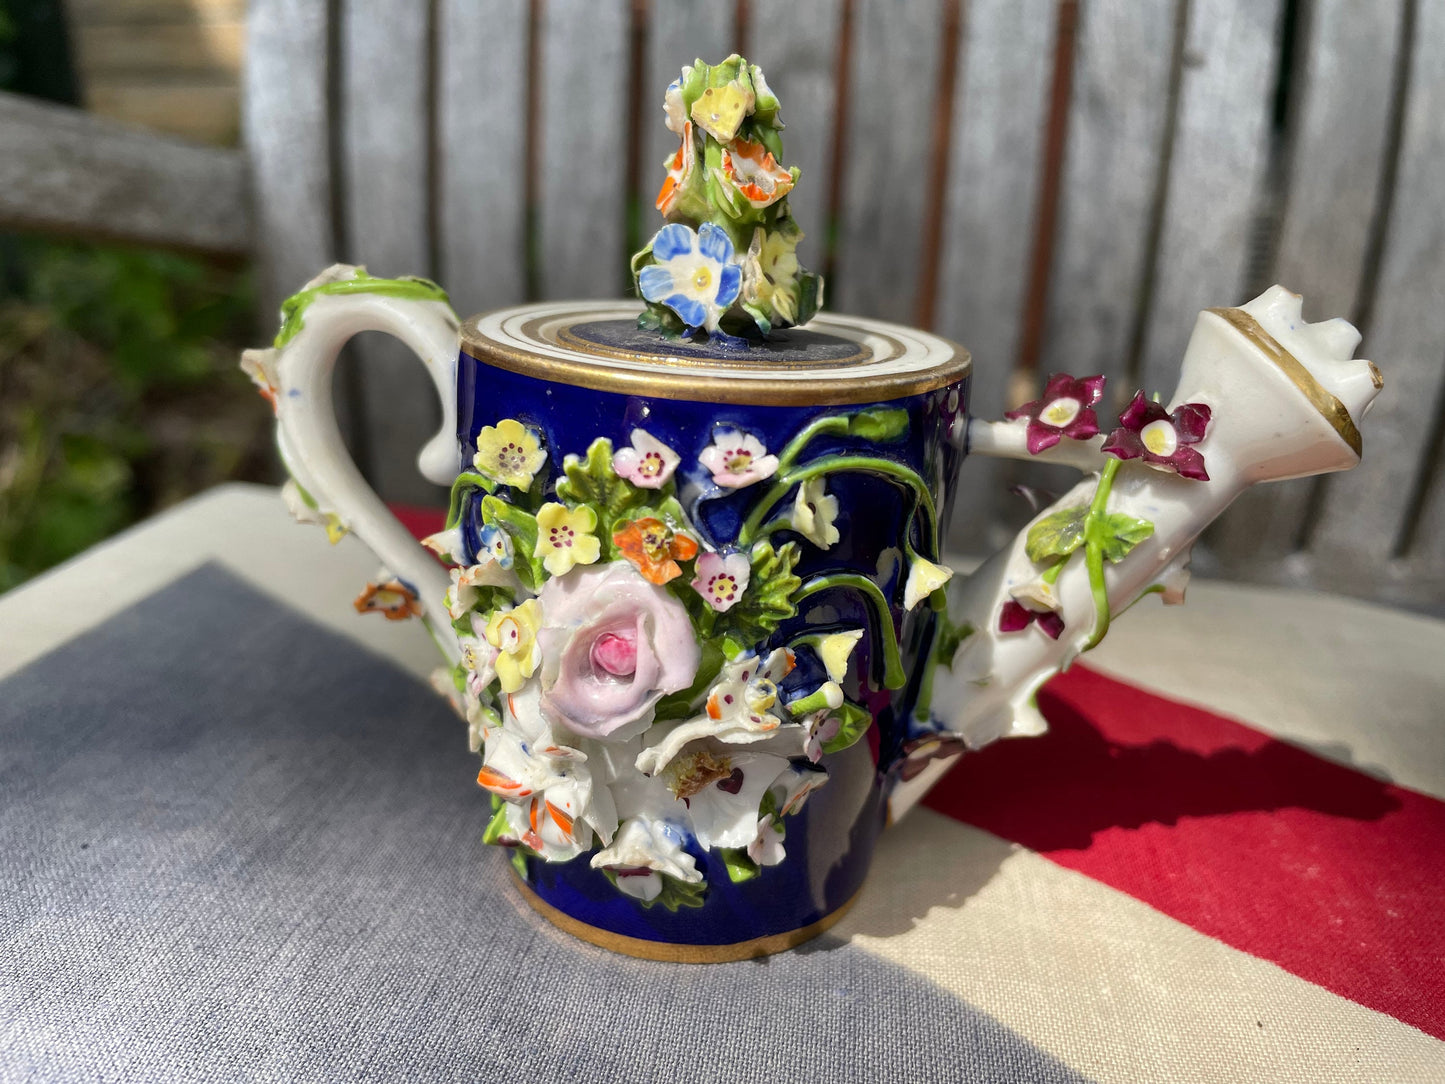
(815, 512)
(649, 463)
(645, 849)
(736, 459)
(924, 578)
(766, 849)
(722, 580)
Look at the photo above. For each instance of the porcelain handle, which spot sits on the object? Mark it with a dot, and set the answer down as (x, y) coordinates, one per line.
(310, 441)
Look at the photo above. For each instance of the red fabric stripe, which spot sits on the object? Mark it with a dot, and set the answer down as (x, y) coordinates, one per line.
(420, 521)
(1329, 873)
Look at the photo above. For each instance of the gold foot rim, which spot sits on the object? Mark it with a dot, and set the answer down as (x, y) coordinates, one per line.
(672, 952)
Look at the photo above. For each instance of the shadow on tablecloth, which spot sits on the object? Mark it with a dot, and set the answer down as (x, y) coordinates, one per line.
(235, 846)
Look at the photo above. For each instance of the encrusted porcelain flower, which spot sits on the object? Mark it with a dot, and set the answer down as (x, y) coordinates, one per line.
(462, 596)
(612, 645)
(654, 548)
(644, 850)
(391, 598)
(770, 272)
(448, 545)
(648, 463)
(1064, 410)
(693, 274)
(672, 105)
(478, 656)
(752, 171)
(1015, 617)
(260, 366)
(721, 789)
(823, 726)
(720, 111)
(681, 168)
(766, 849)
(722, 580)
(513, 632)
(304, 511)
(815, 513)
(791, 789)
(496, 545)
(924, 578)
(743, 706)
(834, 650)
(1160, 439)
(565, 538)
(737, 459)
(509, 453)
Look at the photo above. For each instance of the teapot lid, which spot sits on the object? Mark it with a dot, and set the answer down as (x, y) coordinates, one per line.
(598, 344)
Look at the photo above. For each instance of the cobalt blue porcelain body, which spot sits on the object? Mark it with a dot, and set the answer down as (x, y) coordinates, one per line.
(829, 842)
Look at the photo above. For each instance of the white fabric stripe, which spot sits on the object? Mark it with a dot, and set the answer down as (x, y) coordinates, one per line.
(1353, 682)
(243, 527)
(1118, 990)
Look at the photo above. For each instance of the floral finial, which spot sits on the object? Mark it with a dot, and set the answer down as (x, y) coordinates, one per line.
(1160, 439)
(1064, 410)
(565, 538)
(648, 464)
(509, 453)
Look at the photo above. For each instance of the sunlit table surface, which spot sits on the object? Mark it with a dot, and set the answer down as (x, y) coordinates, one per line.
(1138, 995)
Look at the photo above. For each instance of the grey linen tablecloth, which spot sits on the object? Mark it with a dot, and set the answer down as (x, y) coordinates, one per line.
(235, 846)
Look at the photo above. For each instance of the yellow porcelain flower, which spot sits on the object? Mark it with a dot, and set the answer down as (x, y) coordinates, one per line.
(510, 453)
(835, 649)
(514, 634)
(565, 538)
(924, 578)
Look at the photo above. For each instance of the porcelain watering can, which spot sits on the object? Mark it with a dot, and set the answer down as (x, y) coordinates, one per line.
(692, 597)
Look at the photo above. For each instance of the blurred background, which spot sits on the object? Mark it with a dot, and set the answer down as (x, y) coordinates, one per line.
(1061, 185)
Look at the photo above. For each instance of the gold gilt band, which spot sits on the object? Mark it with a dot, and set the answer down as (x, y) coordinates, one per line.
(1322, 400)
(671, 952)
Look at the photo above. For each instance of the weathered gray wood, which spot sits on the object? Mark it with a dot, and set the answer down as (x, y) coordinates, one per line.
(64, 171)
(286, 130)
(386, 151)
(1112, 163)
(583, 116)
(795, 42)
(1345, 64)
(1216, 174)
(1000, 112)
(893, 80)
(481, 86)
(1365, 511)
(678, 33)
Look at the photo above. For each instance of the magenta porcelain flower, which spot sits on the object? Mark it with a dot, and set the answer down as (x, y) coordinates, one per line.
(1015, 617)
(737, 459)
(649, 463)
(612, 646)
(722, 580)
(1162, 440)
(1064, 410)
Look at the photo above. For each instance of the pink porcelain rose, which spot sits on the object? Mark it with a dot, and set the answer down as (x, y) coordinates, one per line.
(612, 646)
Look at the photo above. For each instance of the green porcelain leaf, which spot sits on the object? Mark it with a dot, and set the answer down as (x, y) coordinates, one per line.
(1116, 534)
(521, 527)
(767, 602)
(674, 894)
(739, 866)
(593, 481)
(855, 722)
(1056, 535)
(293, 309)
(879, 425)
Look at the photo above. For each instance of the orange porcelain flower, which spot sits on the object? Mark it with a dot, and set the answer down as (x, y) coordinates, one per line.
(755, 173)
(393, 599)
(679, 171)
(655, 549)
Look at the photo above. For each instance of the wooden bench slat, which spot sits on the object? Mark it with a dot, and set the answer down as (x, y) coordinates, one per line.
(481, 87)
(1216, 174)
(1112, 162)
(893, 91)
(582, 171)
(1000, 115)
(795, 42)
(386, 151)
(1364, 512)
(65, 171)
(1345, 63)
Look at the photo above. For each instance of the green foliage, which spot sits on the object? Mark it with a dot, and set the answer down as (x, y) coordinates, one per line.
(411, 287)
(1056, 535)
(521, 527)
(119, 393)
(854, 723)
(593, 481)
(739, 866)
(674, 893)
(767, 602)
(1116, 534)
(882, 424)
